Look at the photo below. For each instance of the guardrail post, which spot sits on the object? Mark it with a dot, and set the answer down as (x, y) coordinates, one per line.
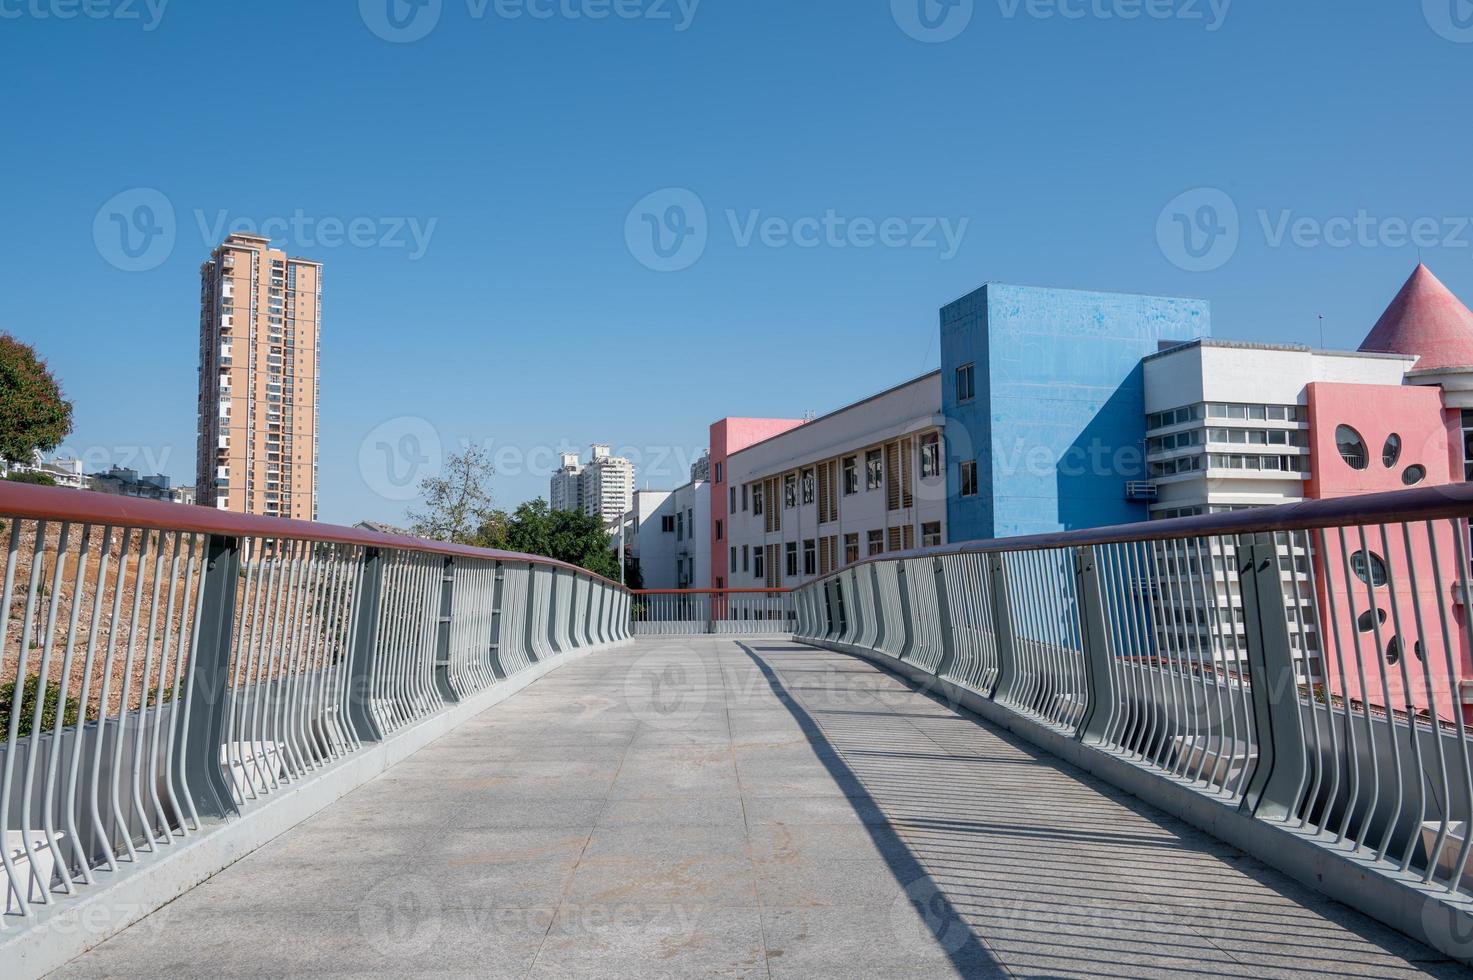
(874, 580)
(202, 729)
(831, 615)
(1002, 625)
(442, 638)
(552, 614)
(907, 625)
(365, 636)
(498, 588)
(1282, 764)
(943, 620)
(1094, 641)
(531, 618)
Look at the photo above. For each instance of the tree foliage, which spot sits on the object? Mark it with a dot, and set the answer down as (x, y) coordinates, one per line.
(39, 479)
(457, 501)
(566, 535)
(34, 417)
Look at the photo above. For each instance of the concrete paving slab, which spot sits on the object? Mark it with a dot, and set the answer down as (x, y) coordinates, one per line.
(720, 807)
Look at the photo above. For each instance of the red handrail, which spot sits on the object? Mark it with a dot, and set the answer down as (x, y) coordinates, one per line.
(28, 501)
(710, 591)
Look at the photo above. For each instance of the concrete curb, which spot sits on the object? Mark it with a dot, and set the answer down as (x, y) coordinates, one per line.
(1400, 900)
(63, 931)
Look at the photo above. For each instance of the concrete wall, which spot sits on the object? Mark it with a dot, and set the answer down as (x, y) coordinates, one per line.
(1057, 424)
(1410, 617)
(652, 548)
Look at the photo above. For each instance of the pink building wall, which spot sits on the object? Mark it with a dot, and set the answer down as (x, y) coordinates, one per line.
(731, 435)
(1411, 632)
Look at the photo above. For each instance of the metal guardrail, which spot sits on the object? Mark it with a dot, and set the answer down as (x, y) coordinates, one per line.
(685, 612)
(177, 664)
(1306, 665)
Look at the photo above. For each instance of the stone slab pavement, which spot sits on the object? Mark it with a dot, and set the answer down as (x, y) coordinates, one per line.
(730, 807)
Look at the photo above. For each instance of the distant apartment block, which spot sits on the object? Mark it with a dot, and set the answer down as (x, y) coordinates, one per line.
(565, 492)
(260, 327)
(603, 487)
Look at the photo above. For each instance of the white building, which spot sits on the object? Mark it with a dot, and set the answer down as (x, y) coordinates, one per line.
(65, 472)
(1228, 428)
(669, 536)
(865, 480)
(606, 485)
(564, 491)
(1227, 424)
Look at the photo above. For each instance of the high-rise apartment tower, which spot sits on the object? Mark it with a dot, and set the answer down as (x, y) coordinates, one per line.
(260, 323)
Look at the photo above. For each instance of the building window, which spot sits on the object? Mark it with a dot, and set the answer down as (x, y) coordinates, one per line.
(680, 527)
(1391, 452)
(930, 455)
(966, 383)
(851, 548)
(719, 529)
(969, 478)
(1352, 448)
(667, 524)
(791, 554)
(731, 507)
(757, 569)
(808, 486)
(757, 500)
(733, 558)
(851, 475)
(876, 543)
(874, 471)
(746, 555)
(931, 534)
(718, 473)
(810, 557)
(790, 490)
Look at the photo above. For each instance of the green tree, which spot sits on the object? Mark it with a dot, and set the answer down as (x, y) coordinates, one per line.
(457, 501)
(33, 415)
(565, 535)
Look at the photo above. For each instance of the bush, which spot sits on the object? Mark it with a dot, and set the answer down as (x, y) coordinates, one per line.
(28, 707)
(39, 479)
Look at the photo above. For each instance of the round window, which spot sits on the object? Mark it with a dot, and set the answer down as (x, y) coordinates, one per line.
(1352, 447)
(1369, 620)
(1372, 570)
(1391, 452)
(1413, 475)
(1393, 651)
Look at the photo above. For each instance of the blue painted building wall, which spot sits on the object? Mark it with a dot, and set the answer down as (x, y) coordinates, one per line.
(1058, 422)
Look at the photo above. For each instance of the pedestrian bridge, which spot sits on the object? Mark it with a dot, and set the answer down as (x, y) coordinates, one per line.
(1227, 745)
(707, 806)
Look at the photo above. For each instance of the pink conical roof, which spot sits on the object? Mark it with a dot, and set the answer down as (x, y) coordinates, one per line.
(1427, 320)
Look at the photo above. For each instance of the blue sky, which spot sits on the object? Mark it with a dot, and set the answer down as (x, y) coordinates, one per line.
(1046, 137)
